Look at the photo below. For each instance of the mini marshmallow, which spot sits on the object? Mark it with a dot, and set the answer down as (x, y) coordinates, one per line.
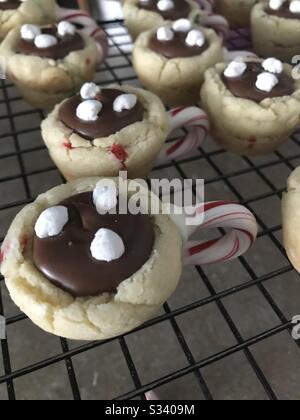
(195, 38)
(45, 41)
(107, 246)
(89, 110)
(125, 102)
(235, 69)
(182, 25)
(165, 5)
(266, 81)
(90, 91)
(272, 65)
(51, 222)
(105, 196)
(276, 4)
(65, 28)
(165, 34)
(295, 6)
(30, 32)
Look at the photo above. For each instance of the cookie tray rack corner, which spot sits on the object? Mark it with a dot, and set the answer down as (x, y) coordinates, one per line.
(23, 175)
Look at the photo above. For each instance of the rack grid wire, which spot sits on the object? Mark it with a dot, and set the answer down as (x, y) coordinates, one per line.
(265, 273)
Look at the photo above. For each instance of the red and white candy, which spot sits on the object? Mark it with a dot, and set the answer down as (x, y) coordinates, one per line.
(89, 27)
(219, 214)
(196, 121)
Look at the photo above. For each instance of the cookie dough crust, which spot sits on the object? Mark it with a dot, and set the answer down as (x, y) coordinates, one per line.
(39, 12)
(243, 126)
(98, 318)
(291, 219)
(237, 12)
(274, 36)
(138, 20)
(45, 82)
(142, 142)
(176, 81)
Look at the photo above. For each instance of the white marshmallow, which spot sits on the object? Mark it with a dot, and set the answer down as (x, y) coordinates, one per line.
(51, 222)
(273, 65)
(165, 5)
(275, 4)
(295, 6)
(105, 196)
(182, 25)
(89, 110)
(30, 32)
(65, 28)
(165, 34)
(90, 91)
(125, 102)
(107, 246)
(266, 81)
(45, 41)
(235, 69)
(195, 38)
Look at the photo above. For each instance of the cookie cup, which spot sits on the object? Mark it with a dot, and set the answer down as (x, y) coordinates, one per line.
(274, 36)
(176, 81)
(96, 318)
(139, 143)
(140, 20)
(45, 82)
(291, 219)
(39, 12)
(243, 126)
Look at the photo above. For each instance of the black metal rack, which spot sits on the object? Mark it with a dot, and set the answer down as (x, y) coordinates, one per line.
(231, 175)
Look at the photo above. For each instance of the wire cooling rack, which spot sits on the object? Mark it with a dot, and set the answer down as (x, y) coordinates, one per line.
(225, 334)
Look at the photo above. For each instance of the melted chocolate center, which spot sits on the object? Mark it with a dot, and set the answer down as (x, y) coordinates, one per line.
(245, 85)
(65, 45)
(182, 9)
(66, 259)
(284, 11)
(10, 5)
(176, 47)
(109, 121)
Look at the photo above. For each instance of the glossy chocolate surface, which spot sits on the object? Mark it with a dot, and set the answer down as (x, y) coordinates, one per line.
(109, 121)
(182, 9)
(66, 259)
(65, 45)
(176, 48)
(283, 12)
(10, 5)
(244, 86)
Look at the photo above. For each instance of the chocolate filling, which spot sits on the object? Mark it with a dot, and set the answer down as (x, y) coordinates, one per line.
(65, 45)
(284, 11)
(109, 121)
(244, 86)
(66, 259)
(177, 47)
(182, 9)
(10, 5)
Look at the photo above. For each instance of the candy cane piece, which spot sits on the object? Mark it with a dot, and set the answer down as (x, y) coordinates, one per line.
(196, 121)
(206, 5)
(90, 27)
(217, 22)
(234, 244)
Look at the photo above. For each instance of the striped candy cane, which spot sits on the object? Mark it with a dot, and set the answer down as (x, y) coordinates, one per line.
(220, 214)
(216, 22)
(196, 121)
(206, 5)
(86, 25)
